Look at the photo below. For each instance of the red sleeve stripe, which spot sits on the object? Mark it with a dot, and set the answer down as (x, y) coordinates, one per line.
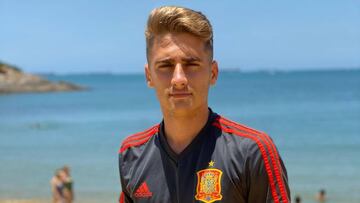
(133, 143)
(121, 199)
(272, 149)
(145, 137)
(140, 135)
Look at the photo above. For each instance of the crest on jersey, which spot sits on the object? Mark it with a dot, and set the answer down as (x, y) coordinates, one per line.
(208, 187)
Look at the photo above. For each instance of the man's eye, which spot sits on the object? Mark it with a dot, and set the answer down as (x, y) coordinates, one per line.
(165, 66)
(192, 64)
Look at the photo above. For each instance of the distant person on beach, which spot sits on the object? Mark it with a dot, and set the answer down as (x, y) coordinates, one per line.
(61, 186)
(68, 184)
(194, 154)
(321, 196)
(297, 199)
(57, 187)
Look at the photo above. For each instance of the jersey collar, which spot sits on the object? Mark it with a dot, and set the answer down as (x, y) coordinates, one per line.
(198, 139)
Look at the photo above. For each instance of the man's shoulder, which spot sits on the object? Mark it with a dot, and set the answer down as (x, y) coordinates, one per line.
(256, 144)
(260, 154)
(234, 128)
(242, 132)
(138, 139)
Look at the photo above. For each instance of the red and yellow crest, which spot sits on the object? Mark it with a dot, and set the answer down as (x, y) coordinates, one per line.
(208, 187)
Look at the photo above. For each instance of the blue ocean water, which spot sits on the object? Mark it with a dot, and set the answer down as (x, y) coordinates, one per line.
(313, 117)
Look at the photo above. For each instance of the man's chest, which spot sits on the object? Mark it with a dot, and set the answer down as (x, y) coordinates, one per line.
(198, 177)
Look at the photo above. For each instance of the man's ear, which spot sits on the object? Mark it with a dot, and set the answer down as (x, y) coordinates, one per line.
(214, 72)
(148, 76)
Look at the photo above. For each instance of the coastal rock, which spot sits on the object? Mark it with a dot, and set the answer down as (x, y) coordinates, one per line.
(13, 80)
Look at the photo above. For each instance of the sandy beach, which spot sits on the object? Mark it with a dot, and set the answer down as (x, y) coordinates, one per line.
(24, 201)
(40, 201)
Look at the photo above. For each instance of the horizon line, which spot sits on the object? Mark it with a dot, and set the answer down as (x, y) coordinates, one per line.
(240, 70)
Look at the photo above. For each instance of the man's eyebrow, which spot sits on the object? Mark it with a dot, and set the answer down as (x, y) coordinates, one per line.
(191, 59)
(185, 59)
(165, 60)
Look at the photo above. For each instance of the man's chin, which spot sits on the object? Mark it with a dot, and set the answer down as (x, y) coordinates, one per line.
(181, 106)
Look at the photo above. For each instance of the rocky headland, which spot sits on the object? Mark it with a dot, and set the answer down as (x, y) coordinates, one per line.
(14, 80)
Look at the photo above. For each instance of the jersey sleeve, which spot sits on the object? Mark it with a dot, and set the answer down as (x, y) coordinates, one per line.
(124, 195)
(266, 174)
(124, 198)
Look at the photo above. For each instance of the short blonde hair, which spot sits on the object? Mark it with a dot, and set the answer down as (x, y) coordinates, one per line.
(174, 19)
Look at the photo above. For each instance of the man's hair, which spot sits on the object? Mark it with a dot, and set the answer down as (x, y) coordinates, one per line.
(174, 19)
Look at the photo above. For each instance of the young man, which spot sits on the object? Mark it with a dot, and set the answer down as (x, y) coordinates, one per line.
(194, 155)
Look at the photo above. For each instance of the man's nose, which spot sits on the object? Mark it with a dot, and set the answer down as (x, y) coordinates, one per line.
(179, 80)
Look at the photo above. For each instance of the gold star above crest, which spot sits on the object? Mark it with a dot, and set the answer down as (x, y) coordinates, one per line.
(211, 163)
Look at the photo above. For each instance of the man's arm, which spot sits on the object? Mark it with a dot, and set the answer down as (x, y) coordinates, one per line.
(267, 176)
(124, 196)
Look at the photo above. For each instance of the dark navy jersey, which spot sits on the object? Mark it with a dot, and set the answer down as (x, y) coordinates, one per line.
(226, 162)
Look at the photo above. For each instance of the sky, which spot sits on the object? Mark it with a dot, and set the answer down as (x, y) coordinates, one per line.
(81, 36)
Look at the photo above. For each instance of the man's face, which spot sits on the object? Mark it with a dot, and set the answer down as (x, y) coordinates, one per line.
(181, 72)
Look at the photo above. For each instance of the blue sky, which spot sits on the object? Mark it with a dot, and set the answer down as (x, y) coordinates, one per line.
(108, 36)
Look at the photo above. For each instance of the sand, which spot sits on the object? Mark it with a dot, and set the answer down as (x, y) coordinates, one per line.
(42, 201)
(24, 201)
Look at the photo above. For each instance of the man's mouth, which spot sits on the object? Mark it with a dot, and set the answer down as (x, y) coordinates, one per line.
(180, 94)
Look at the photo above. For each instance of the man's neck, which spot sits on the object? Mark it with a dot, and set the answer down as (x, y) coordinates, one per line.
(180, 130)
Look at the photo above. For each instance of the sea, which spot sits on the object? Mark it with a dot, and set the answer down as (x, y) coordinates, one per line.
(312, 116)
